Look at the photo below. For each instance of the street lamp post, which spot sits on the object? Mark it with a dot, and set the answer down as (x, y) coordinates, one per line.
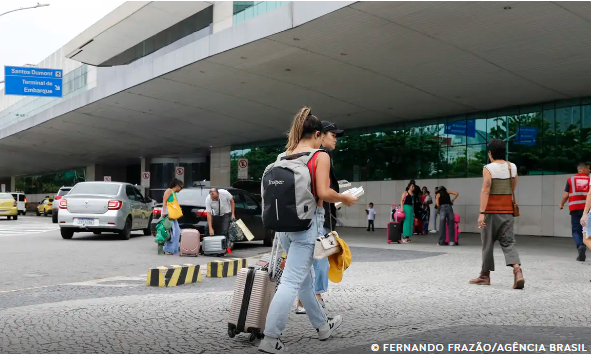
(25, 8)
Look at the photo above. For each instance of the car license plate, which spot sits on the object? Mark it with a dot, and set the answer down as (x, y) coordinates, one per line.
(85, 222)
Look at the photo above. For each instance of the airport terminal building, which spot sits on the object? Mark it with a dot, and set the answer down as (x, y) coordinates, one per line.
(419, 87)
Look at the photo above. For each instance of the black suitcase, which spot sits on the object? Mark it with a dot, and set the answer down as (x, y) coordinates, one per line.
(394, 232)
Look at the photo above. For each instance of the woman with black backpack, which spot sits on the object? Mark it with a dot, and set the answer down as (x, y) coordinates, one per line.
(304, 138)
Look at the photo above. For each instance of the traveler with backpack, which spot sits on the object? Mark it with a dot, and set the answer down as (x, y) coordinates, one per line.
(294, 189)
(330, 133)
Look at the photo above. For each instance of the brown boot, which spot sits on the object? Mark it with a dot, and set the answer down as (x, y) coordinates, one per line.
(519, 281)
(483, 279)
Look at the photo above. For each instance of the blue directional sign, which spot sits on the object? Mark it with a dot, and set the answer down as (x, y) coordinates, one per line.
(526, 136)
(31, 81)
(462, 128)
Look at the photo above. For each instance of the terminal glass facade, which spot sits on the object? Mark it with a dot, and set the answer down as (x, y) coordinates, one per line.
(245, 10)
(542, 139)
(49, 183)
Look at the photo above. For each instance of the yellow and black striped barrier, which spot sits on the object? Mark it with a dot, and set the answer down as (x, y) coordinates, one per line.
(174, 275)
(226, 268)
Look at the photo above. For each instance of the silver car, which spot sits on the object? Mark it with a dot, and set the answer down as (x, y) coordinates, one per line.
(104, 207)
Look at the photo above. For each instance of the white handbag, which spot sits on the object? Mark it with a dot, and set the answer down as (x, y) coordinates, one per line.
(327, 245)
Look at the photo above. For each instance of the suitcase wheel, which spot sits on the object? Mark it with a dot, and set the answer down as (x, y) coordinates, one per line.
(231, 333)
(252, 337)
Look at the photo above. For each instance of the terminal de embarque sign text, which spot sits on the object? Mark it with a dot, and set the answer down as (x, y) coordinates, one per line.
(27, 81)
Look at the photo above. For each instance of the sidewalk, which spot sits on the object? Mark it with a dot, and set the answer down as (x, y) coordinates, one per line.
(397, 293)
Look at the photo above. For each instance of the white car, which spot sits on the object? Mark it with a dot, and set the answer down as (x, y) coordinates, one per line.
(104, 207)
(21, 202)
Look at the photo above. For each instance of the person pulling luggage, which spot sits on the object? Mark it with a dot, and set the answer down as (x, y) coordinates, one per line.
(220, 208)
(286, 184)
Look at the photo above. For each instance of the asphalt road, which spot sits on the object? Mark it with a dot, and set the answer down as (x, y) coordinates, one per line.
(33, 254)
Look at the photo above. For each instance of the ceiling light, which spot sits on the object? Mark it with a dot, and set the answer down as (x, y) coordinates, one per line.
(203, 72)
(243, 82)
(287, 69)
(242, 58)
(507, 8)
(296, 39)
(343, 53)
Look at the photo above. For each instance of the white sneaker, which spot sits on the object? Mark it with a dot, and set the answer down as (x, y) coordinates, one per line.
(433, 231)
(300, 310)
(328, 329)
(272, 346)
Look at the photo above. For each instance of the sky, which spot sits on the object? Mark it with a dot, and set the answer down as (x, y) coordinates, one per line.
(29, 36)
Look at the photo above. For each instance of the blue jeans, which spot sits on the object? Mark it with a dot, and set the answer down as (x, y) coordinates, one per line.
(172, 245)
(297, 279)
(577, 229)
(321, 272)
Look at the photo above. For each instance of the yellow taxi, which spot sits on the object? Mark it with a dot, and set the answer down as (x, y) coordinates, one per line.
(8, 206)
(45, 207)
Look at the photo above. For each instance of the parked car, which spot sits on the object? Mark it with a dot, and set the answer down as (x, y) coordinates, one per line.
(252, 187)
(104, 207)
(192, 202)
(8, 206)
(21, 202)
(56, 205)
(45, 206)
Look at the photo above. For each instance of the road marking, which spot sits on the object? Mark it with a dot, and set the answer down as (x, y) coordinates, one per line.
(139, 280)
(32, 288)
(19, 229)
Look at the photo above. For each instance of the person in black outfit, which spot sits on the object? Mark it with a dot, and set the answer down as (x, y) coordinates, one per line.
(331, 133)
(446, 214)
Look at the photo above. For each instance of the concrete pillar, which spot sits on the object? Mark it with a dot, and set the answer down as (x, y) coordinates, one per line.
(13, 183)
(223, 15)
(91, 173)
(220, 166)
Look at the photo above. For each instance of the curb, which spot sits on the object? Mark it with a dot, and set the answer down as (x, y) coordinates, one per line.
(174, 275)
(226, 268)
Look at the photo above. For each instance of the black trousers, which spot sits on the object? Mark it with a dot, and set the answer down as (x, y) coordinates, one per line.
(370, 224)
(221, 224)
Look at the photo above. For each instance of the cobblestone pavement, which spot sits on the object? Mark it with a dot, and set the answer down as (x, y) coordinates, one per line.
(412, 294)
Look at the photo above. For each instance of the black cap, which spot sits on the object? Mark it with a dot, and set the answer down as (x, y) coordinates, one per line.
(332, 127)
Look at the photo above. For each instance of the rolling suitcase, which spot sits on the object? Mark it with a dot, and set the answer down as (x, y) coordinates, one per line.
(394, 232)
(190, 242)
(456, 230)
(215, 245)
(253, 292)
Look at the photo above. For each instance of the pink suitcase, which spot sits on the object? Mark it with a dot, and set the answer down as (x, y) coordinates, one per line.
(190, 242)
(456, 228)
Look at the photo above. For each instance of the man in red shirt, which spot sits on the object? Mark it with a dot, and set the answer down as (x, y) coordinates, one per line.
(576, 191)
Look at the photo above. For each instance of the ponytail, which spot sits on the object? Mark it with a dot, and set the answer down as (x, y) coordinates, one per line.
(303, 126)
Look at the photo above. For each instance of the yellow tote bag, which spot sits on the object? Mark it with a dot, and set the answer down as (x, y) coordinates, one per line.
(174, 209)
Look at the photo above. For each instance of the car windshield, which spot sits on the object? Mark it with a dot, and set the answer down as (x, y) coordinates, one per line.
(95, 188)
(63, 192)
(193, 196)
(6, 196)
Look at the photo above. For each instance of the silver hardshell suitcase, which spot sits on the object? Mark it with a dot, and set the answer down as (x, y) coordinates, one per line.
(253, 292)
(214, 245)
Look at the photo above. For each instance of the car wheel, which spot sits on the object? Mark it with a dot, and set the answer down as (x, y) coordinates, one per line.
(125, 234)
(148, 230)
(38, 213)
(67, 234)
(15, 217)
(45, 213)
(54, 218)
(269, 236)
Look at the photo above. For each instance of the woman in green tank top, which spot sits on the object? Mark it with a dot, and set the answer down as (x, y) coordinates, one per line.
(172, 245)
